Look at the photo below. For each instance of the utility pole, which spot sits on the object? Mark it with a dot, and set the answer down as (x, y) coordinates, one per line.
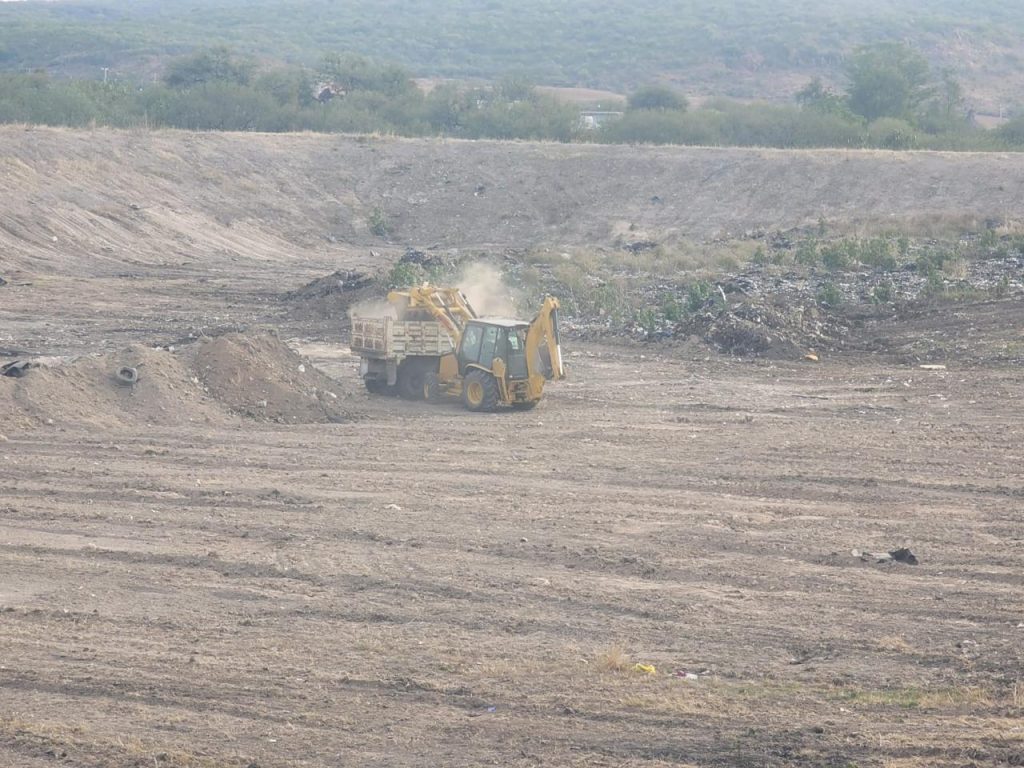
(105, 71)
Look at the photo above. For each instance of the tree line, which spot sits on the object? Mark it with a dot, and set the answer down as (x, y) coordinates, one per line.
(892, 100)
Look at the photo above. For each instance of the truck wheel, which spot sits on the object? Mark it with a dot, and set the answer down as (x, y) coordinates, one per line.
(410, 382)
(480, 391)
(377, 386)
(431, 388)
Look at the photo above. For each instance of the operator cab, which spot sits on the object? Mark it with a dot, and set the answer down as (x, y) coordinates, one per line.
(485, 340)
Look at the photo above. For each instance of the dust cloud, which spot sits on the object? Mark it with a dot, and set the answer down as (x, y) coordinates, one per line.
(480, 282)
(487, 292)
(373, 309)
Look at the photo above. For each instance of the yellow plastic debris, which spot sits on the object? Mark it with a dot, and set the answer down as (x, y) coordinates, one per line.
(647, 669)
(811, 356)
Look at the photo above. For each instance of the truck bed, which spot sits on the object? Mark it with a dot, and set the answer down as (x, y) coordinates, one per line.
(389, 339)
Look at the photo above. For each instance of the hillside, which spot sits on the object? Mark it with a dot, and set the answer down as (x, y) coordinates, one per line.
(738, 48)
(92, 202)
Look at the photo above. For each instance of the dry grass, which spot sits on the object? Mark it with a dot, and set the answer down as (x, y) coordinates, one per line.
(71, 740)
(894, 644)
(613, 660)
(955, 269)
(910, 697)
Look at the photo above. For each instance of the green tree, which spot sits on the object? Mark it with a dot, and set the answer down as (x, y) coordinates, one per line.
(1012, 132)
(889, 80)
(515, 88)
(358, 73)
(892, 133)
(210, 65)
(657, 97)
(816, 96)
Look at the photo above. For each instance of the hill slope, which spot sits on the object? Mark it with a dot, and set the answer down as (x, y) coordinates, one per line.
(91, 203)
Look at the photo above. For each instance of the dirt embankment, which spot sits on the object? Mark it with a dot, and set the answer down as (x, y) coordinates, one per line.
(103, 203)
(212, 381)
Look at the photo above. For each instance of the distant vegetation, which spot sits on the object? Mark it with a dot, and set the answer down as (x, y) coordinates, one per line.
(893, 100)
(734, 48)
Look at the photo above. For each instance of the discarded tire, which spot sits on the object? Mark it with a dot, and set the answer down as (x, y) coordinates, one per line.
(127, 376)
(16, 369)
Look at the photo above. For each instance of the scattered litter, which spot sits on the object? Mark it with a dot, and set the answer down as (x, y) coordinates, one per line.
(932, 367)
(16, 369)
(302, 368)
(127, 375)
(646, 669)
(2, 281)
(486, 711)
(901, 555)
(684, 675)
(395, 507)
(811, 356)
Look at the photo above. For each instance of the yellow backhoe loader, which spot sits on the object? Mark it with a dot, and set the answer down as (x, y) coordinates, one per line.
(432, 345)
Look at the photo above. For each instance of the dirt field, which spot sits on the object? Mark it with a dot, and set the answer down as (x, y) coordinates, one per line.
(420, 586)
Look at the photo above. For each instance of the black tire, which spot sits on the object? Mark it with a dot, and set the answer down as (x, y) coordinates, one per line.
(480, 391)
(529, 405)
(377, 386)
(410, 380)
(431, 388)
(127, 376)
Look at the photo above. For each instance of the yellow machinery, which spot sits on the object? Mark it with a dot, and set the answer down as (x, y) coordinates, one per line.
(433, 344)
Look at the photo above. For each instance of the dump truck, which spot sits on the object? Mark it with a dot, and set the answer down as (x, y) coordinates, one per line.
(430, 345)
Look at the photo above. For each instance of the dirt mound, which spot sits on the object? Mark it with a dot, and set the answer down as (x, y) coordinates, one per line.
(209, 382)
(260, 377)
(763, 327)
(88, 393)
(330, 297)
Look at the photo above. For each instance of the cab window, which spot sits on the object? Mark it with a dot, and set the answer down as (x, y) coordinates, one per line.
(487, 346)
(471, 343)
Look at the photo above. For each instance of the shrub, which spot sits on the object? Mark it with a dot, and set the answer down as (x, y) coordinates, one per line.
(697, 295)
(892, 133)
(379, 223)
(882, 293)
(807, 253)
(657, 97)
(406, 275)
(829, 295)
(835, 257)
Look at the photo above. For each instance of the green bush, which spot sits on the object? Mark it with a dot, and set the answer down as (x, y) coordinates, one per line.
(835, 257)
(883, 293)
(807, 253)
(406, 275)
(892, 133)
(379, 223)
(877, 252)
(698, 294)
(657, 97)
(829, 295)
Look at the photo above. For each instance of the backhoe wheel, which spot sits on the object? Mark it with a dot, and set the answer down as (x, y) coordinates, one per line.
(431, 388)
(480, 391)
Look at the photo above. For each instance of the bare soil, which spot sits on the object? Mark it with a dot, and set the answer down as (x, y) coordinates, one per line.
(422, 586)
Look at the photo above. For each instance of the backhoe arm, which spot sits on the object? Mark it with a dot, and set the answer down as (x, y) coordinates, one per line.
(542, 335)
(449, 306)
